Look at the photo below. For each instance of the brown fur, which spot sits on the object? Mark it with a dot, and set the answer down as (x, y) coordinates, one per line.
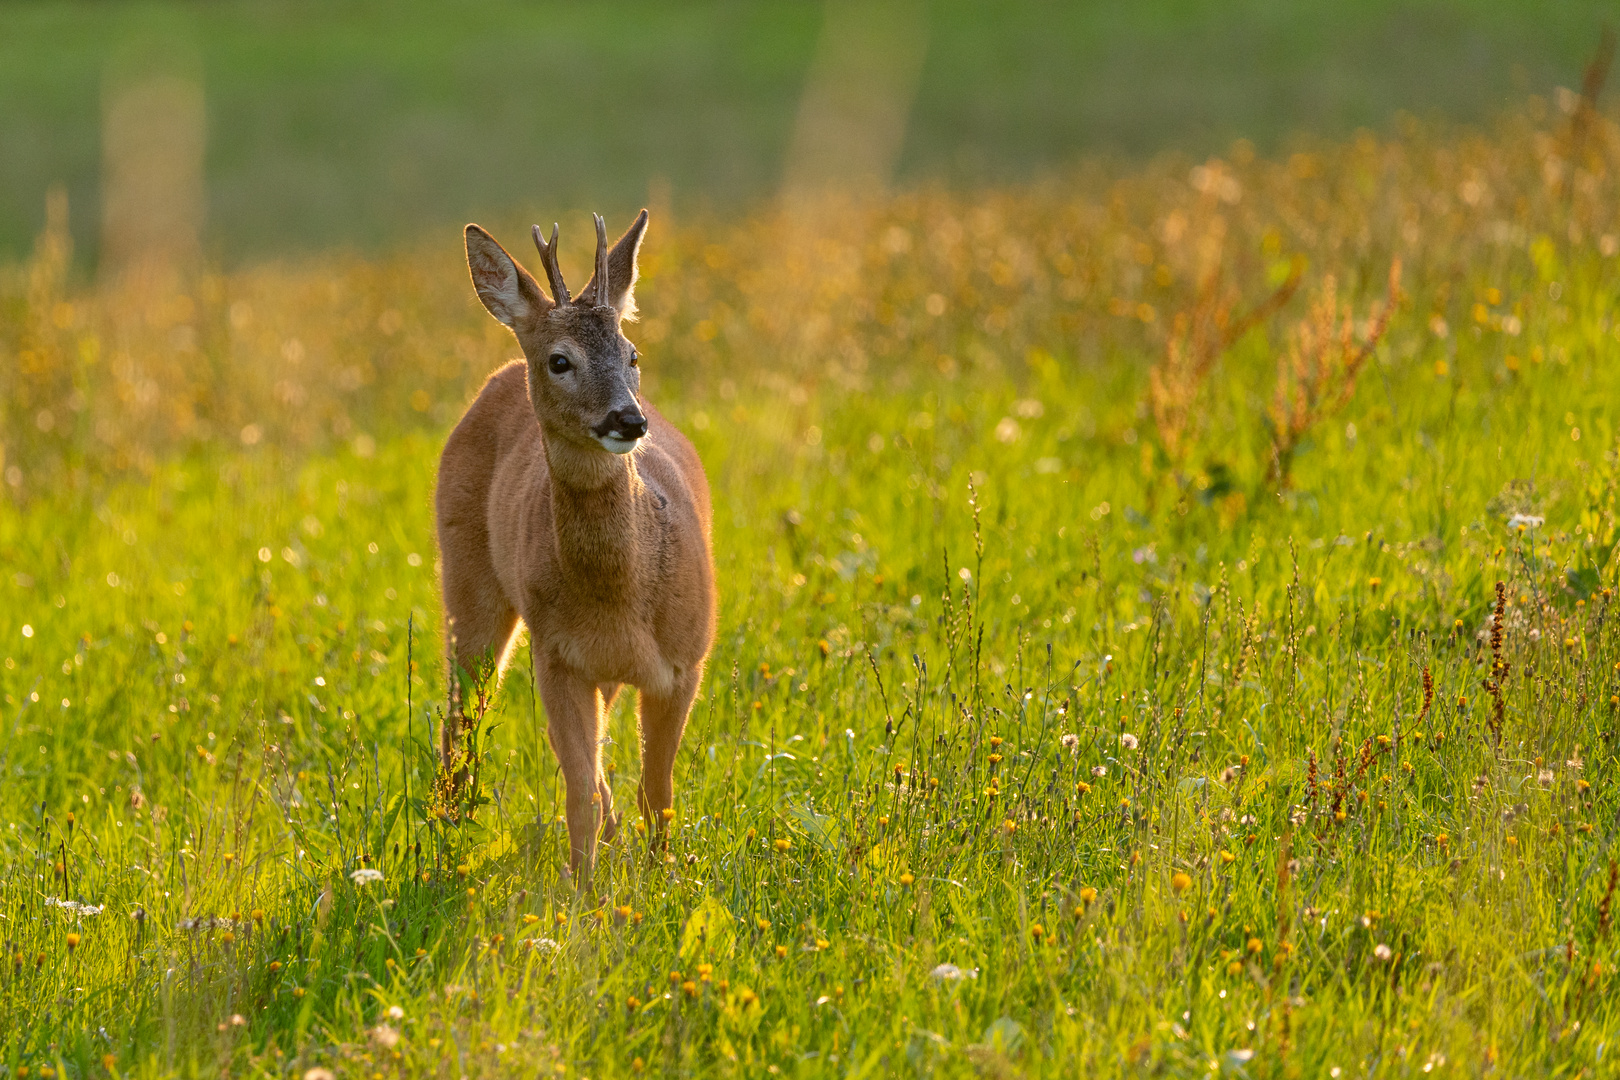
(603, 555)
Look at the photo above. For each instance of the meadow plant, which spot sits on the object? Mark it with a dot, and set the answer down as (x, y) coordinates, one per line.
(1001, 765)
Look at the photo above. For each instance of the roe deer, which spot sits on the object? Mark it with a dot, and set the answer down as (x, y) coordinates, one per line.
(566, 501)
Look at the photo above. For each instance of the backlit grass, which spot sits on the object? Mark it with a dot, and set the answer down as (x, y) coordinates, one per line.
(1027, 745)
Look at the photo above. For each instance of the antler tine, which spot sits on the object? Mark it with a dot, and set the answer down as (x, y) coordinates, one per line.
(602, 293)
(548, 259)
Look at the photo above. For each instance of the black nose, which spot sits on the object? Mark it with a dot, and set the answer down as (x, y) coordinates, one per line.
(625, 423)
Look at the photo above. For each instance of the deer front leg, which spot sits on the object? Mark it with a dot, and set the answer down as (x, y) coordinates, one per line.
(663, 721)
(574, 724)
(610, 820)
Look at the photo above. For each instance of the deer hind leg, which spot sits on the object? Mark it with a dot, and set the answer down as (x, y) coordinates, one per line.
(574, 723)
(479, 627)
(663, 722)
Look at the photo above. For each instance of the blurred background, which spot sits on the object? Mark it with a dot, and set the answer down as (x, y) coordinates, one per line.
(237, 226)
(246, 131)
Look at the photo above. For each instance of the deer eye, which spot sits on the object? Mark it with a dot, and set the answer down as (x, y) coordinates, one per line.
(635, 357)
(559, 363)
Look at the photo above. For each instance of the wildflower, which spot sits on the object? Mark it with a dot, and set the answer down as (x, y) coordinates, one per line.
(1526, 521)
(1545, 778)
(781, 952)
(762, 922)
(1383, 952)
(995, 759)
(1099, 770)
(821, 943)
(1227, 858)
(1070, 742)
(689, 988)
(530, 919)
(783, 844)
(667, 813)
(1088, 896)
(561, 919)
(365, 876)
(275, 966)
(632, 1003)
(72, 942)
(883, 819)
(1128, 741)
(1037, 931)
(1009, 826)
(952, 973)
(1374, 582)
(1083, 788)
(1255, 945)
(906, 879)
(1180, 881)
(704, 971)
(74, 907)
(995, 741)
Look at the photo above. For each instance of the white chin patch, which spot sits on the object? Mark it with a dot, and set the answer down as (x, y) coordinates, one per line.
(614, 445)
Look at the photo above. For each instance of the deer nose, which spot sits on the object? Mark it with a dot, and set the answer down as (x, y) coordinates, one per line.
(625, 423)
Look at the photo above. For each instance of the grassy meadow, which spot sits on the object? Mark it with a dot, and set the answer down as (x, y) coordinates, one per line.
(1156, 639)
(364, 124)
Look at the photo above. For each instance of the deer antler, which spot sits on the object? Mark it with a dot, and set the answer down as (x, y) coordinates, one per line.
(602, 293)
(548, 259)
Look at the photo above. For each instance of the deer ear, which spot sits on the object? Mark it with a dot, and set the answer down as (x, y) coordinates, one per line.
(507, 290)
(622, 269)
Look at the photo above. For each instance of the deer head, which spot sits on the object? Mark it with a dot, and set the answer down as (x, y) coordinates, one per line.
(583, 372)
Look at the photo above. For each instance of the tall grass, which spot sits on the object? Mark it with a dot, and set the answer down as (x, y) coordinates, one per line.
(1039, 737)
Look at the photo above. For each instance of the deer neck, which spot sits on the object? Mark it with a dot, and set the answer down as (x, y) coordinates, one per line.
(597, 504)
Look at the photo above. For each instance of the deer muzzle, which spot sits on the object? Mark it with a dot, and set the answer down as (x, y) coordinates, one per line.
(621, 430)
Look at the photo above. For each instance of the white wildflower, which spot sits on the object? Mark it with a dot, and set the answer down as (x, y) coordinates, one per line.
(952, 973)
(1526, 521)
(1128, 741)
(1383, 952)
(73, 907)
(365, 876)
(395, 1012)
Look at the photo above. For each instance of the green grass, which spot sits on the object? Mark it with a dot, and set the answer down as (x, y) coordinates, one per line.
(231, 640)
(363, 124)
